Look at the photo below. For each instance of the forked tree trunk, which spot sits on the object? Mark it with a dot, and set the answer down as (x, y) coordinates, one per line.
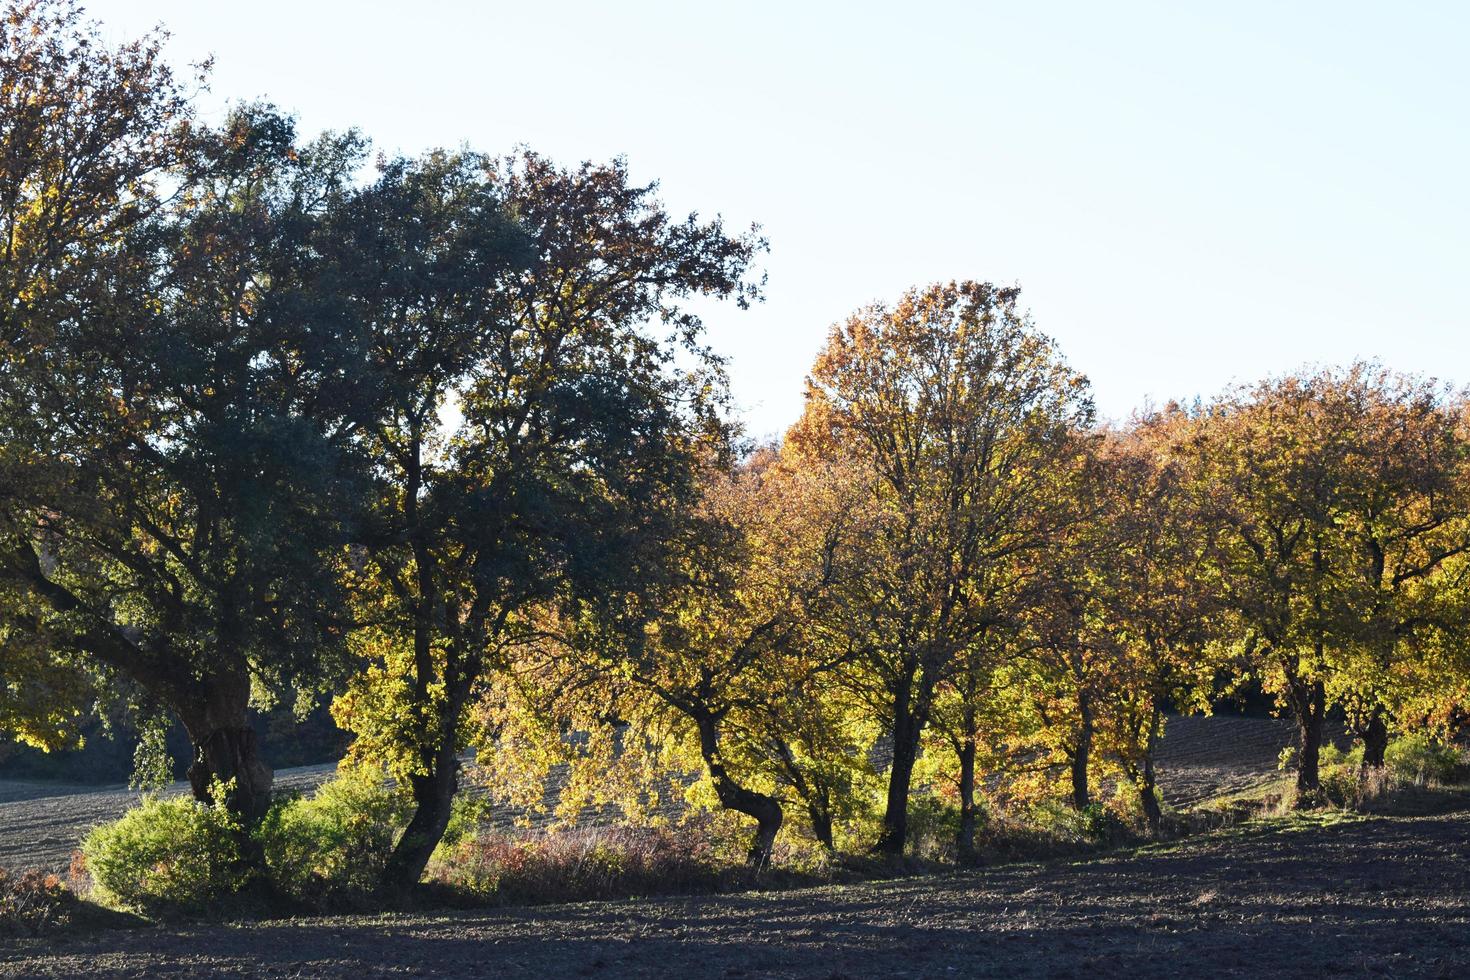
(965, 837)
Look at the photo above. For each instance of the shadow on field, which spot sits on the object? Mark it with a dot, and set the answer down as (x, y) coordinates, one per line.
(1380, 895)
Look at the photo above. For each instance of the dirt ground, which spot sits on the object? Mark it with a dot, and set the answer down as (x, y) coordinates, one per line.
(1378, 896)
(1200, 758)
(42, 823)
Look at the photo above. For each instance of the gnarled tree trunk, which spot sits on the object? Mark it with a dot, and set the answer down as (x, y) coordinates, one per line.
(765, 810)
(215, 714)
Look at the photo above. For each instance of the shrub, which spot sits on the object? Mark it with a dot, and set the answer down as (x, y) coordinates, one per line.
(932, 827)
(1419, 759)
(33, 902)
(1349, 787)
(580, 865)
(330, 848)
(1101, 823)
(167, 856)
(1331, 755)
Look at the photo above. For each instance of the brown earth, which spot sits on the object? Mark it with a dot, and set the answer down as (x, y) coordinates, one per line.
(1203, 758)
(1381, 895)
(1378, 896)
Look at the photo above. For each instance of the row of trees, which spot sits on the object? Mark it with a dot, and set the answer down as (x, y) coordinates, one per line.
(446, 445)
(948, 561)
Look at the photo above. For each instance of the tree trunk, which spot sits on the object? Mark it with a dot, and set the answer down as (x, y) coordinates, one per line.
(765, 810)
(965, 838)
(433, 797)
(821, 818)
(1082, 755)
(1375, 741)
(815, 793)
(907, 730)
(1148, 795)
(225, 747)
(1312, 709)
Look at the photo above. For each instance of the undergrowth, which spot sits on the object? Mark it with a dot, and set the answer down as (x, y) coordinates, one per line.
(326, 852)
(34, 902)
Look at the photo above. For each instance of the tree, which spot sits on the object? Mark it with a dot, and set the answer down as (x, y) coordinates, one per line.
(1400, 509)
(531, 426)
(958, 409)
(86, 134)
(721, 678)
(1341, 497)
(1157, 593)
(173, 477)
(1262, 468)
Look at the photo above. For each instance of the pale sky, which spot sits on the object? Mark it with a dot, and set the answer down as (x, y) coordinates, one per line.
(1189, 194)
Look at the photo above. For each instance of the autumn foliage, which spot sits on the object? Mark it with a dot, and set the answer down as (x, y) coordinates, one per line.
(446, 447)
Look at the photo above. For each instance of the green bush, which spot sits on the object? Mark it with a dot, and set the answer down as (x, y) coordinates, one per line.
(1419, 759)
(330, 848)
(1331, 755)
(1103, 824)
(1347, 786)
(167, 856)
(932, 827)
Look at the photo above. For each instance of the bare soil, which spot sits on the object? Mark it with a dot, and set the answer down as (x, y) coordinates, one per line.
(1203, 758)
(1377, 896)
(1380, 895)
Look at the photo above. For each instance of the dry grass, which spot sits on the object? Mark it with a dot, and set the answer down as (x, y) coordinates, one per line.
(581, 864)
(34, 902)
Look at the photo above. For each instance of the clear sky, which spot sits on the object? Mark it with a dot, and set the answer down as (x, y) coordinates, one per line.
(1190, 194)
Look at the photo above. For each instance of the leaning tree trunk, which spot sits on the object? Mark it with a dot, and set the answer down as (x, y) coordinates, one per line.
(765, 810)
(965, 836)
(433, 796)
(815, 793)
(1082, 754)
(433, 792)
(215, 714)
(1374, 734)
